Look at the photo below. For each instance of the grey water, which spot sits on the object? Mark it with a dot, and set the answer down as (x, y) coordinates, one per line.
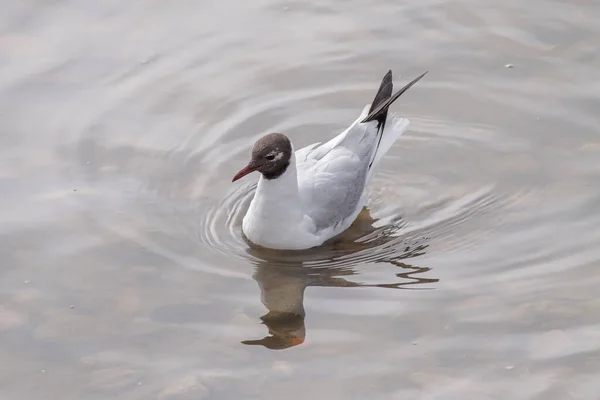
(472, 274)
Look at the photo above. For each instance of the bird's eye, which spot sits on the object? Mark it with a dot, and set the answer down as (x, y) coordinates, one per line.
(270, 157)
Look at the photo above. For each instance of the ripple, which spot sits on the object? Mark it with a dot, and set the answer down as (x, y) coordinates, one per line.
(180, 195)
(386, 238)
(183, 207)
(361, 243)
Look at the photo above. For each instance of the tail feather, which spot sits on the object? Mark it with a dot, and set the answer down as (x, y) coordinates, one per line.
(398, 126)
(380, 110)
(383, 99)
(383, 94)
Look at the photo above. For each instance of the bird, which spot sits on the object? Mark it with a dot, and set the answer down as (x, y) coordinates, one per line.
(308, 196)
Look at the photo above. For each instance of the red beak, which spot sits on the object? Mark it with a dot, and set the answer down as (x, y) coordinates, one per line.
(243, 172)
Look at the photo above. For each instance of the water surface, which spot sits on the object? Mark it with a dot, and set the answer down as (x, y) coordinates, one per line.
(473, 273)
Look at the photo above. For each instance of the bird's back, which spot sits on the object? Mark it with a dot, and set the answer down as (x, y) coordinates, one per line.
(332, 176)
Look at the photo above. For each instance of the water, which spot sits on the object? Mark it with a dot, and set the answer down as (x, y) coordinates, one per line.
(472, 275)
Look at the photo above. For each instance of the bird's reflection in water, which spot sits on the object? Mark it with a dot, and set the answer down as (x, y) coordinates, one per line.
(282, 276)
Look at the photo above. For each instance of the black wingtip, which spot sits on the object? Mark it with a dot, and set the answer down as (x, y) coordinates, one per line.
(384, 92)
(381, 109)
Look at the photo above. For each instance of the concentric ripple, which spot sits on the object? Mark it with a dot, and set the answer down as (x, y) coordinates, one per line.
(181, 203)
(381, 234)
(362, 242)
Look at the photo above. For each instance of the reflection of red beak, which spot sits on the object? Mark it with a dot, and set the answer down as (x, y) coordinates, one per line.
(243, 172)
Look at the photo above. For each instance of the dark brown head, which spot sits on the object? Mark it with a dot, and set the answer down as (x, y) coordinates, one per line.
(270, 156)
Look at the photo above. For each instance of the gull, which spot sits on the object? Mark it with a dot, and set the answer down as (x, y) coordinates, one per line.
(304, 198)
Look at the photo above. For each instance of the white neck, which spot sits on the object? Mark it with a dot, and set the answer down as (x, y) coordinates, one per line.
(276, 203)
(278, 198)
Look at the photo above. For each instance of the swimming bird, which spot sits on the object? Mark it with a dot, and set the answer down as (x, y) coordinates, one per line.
(306, 197)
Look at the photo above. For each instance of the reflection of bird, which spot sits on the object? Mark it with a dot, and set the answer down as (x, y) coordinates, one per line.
(306, 197)
(282, 277)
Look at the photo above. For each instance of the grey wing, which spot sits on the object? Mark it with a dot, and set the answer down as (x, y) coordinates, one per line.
(332, 187)
(307, 156)
(332, 175)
